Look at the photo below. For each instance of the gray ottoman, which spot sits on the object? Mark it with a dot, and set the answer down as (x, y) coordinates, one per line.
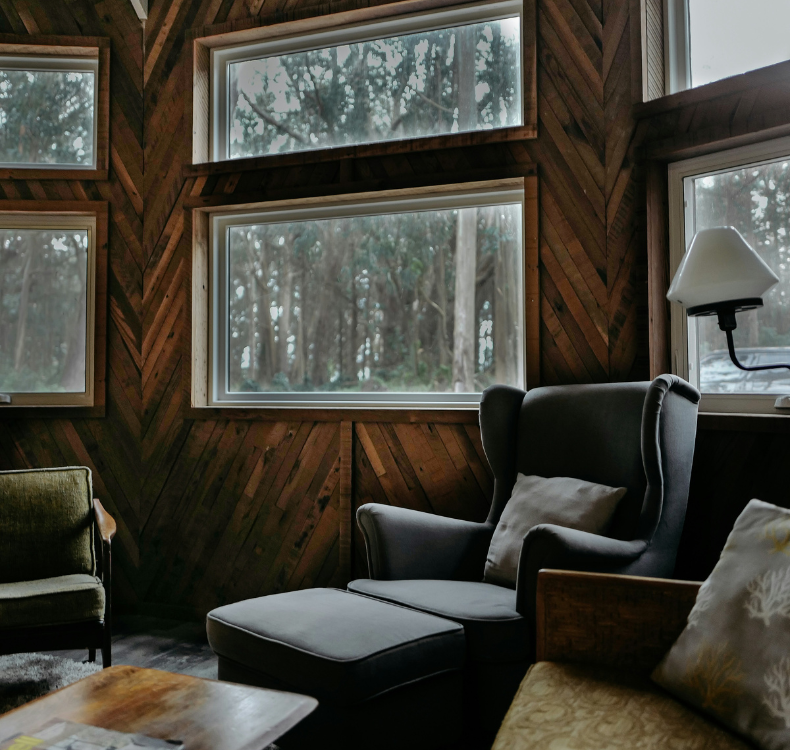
(385, 676)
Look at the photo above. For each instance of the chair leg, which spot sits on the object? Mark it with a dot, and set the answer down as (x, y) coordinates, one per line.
(106, 649)
(91, 655)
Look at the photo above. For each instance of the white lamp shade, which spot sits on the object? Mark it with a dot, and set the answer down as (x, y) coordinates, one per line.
(720, 266)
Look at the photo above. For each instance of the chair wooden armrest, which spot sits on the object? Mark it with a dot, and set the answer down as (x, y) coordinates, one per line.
(104, 522)
(611, 620)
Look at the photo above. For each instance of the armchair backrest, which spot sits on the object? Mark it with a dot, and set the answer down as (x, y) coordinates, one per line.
(634, 435)
(46, 524)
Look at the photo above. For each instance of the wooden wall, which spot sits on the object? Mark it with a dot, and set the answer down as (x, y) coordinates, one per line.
(215, 509)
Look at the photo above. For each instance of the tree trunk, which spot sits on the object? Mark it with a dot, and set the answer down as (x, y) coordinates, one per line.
(505, 312)
(441, 318)
(465, 52)
(24, 300)
(73, 379)
(465, 275)
(284, 320)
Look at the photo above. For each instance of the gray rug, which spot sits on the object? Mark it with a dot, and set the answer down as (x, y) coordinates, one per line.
(24, 677)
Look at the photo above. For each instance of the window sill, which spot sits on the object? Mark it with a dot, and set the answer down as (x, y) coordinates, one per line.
(717, 421)
(8, 411)
(409, 415)
(753, 79)
(27, 173)
(386, 148)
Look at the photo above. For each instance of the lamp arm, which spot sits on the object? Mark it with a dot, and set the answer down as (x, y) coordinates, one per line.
(734, 358)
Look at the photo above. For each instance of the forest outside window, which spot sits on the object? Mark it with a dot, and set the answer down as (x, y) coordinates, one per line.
(399, 299)
(49, 112)
(436, 73)
(707, 40)
(749, 189)
(47, 306)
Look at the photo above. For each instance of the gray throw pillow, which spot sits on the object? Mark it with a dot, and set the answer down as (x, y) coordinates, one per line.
(732, 660)
(562, 501)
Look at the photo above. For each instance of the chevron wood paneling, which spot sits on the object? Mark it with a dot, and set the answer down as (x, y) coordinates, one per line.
(110, 446)
(434, 468)
(221, 508)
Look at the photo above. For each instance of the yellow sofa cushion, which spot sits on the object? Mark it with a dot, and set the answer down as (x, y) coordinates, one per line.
(51, 601)
(578, 707)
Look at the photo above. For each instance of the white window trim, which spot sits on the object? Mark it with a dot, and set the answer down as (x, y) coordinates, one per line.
(62, 221)
(290, 42)
(51, 63)
(677, 46)
(683, 335)
(393, 201)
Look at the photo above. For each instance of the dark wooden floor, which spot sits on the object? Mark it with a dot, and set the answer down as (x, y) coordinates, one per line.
(170, 645)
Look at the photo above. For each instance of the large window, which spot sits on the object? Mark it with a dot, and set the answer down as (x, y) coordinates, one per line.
(399, 298)
(47, 306)
(748, 189)
(707, 40)
(436, 73)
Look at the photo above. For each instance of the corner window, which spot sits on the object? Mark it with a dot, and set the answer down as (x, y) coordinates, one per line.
(434, 73)
(749, 189)
(398, 298)
(707, 40)
(47, 308)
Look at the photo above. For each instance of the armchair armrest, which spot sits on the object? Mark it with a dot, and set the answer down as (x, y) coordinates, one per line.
(550, 546)
(610, 620)
(104, 522)
(408, 544)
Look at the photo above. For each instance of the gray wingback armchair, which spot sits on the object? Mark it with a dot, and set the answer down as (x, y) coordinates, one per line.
(634, 435)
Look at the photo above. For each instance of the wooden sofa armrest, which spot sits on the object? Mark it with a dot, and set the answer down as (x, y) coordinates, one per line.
(104, 521)
(611, 620)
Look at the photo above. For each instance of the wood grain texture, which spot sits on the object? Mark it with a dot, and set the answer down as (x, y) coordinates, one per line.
(610, 620)
(434, 468)
(242, 503)
(109, 444)
(203, 714)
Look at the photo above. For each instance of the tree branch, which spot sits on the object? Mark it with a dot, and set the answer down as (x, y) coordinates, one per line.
(268, 118)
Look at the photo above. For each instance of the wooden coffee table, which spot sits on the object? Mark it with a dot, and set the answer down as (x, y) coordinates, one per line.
(203, 714)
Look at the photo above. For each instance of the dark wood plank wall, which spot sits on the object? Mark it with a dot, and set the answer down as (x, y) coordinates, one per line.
(217, 509)
(110, 446)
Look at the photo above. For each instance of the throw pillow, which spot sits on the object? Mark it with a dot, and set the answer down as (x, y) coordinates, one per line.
(559, 500)
(732, 660)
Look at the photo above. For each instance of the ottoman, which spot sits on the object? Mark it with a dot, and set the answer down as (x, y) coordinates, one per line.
(385, 676)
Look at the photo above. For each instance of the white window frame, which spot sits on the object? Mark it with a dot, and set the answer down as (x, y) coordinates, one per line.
(683, 335)
(65, 222)
(51, 63)
(677, 46)
(289, 42)
(393, 201)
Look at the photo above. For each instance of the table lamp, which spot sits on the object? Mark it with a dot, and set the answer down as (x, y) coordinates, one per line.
(721, 275)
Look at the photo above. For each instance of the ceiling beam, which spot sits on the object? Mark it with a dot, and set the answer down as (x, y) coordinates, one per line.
(141, 8)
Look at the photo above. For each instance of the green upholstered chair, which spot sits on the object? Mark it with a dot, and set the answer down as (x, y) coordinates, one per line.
(54, 563)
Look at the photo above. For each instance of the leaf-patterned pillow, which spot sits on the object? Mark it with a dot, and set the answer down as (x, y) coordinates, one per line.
(733, 658)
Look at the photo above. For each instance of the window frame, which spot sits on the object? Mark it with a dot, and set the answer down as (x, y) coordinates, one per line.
(205, 276)
(275, 29)
(94, 216)
(681, 334)
(677, 46)
(43, 51)
(441, 18)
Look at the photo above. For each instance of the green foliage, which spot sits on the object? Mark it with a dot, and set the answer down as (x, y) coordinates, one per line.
(46, 117)
(42, 310)
(401, 87)
(366, 303)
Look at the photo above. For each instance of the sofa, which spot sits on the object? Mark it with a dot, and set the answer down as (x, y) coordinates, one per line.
(599, 636)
